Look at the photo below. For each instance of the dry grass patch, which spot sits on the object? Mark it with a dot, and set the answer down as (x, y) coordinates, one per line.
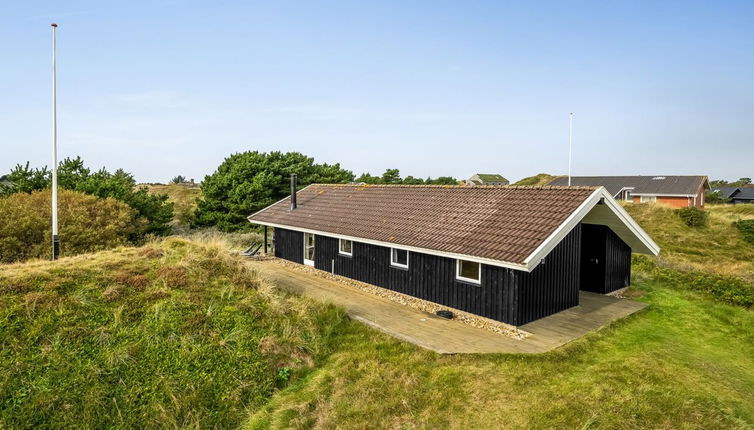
(149, 337)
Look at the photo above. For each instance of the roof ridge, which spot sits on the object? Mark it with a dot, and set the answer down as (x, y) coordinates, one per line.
(521, 187)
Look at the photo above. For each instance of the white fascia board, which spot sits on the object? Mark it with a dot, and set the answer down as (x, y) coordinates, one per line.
(663, 195)
(633, 226)
(624, 189)
(488, 261)
(601, 193)
(556, 236)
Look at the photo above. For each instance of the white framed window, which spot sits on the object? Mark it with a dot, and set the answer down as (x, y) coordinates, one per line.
(309, 249)
(399, 258)
(345, 247)
(469, 271)
(648, 199)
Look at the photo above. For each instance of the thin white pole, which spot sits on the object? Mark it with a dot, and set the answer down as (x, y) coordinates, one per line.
(570, 145)
(55, 240)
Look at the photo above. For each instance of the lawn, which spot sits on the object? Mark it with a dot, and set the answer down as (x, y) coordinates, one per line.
(179, 333)
(685, 362)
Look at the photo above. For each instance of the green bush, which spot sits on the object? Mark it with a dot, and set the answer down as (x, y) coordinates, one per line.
(693, 216)
(746, 227)
(86, 224)
(73, 175)
(714, 198)
(247, 182)
(728, 289)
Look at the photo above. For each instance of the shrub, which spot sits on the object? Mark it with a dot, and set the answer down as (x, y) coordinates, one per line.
(73, 175)
(746, 227)
(247, 182)
(86, 224)
(712, 197)
(693, 216)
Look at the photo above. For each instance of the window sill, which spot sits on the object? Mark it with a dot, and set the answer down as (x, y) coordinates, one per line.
(471, 282)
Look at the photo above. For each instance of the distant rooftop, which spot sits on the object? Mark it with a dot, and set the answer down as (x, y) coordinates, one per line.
(650, 184)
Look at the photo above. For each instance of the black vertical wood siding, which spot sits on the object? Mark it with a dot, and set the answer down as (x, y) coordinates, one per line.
(614, 270)
(617, 263)
(428, 277)
(553, 285)
(511, 296)
(289, 245)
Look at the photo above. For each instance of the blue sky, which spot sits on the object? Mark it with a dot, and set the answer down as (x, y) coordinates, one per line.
(428, 87)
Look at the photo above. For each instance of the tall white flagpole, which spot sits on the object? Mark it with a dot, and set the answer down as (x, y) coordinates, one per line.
(570, 145)
(55, 239)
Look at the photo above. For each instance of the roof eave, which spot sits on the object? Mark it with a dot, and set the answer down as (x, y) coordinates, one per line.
(600, 193)
(482, 260)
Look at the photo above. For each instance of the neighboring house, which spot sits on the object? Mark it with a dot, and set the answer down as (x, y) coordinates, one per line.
(675, 191)
(487, 179)
(4, 182)
(523, 255)
(735, 194)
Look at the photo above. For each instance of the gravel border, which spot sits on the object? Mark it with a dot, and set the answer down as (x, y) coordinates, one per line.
(413, 302)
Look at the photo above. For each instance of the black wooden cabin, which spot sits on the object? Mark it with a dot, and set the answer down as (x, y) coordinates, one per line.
(587, 254)
(590, 258)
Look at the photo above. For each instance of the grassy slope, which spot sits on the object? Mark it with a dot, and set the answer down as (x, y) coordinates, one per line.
(537, 180)
(687, 361)
(171, 335)
(178, 334)
(183, 196)
(717, 248)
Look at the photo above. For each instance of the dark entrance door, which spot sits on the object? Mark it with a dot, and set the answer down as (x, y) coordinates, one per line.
(593, 265)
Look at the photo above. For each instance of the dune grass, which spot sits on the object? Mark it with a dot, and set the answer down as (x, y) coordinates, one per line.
(174, 334)
(685, 362)
(717, 248)
(184, 198)
(537, 180)
(180, 333)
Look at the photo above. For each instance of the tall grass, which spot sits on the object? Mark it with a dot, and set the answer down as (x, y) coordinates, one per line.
(174, 334)
(684, 362)
(718, 248)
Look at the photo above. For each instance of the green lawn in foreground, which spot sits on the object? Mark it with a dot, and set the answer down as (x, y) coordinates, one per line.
(685, 362)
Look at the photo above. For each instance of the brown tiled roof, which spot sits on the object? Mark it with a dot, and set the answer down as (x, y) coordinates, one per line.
(502, 223)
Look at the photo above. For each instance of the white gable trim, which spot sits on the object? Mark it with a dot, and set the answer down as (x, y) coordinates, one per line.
(556, 236)
(599, 194)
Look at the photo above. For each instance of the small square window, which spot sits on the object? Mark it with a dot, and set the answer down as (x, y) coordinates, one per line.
(345, 247)
(468, 271)
(399, 258)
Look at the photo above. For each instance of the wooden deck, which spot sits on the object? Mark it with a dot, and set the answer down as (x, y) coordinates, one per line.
(448, 336)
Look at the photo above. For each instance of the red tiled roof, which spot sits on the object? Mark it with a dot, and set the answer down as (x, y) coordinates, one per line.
(502, 223)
